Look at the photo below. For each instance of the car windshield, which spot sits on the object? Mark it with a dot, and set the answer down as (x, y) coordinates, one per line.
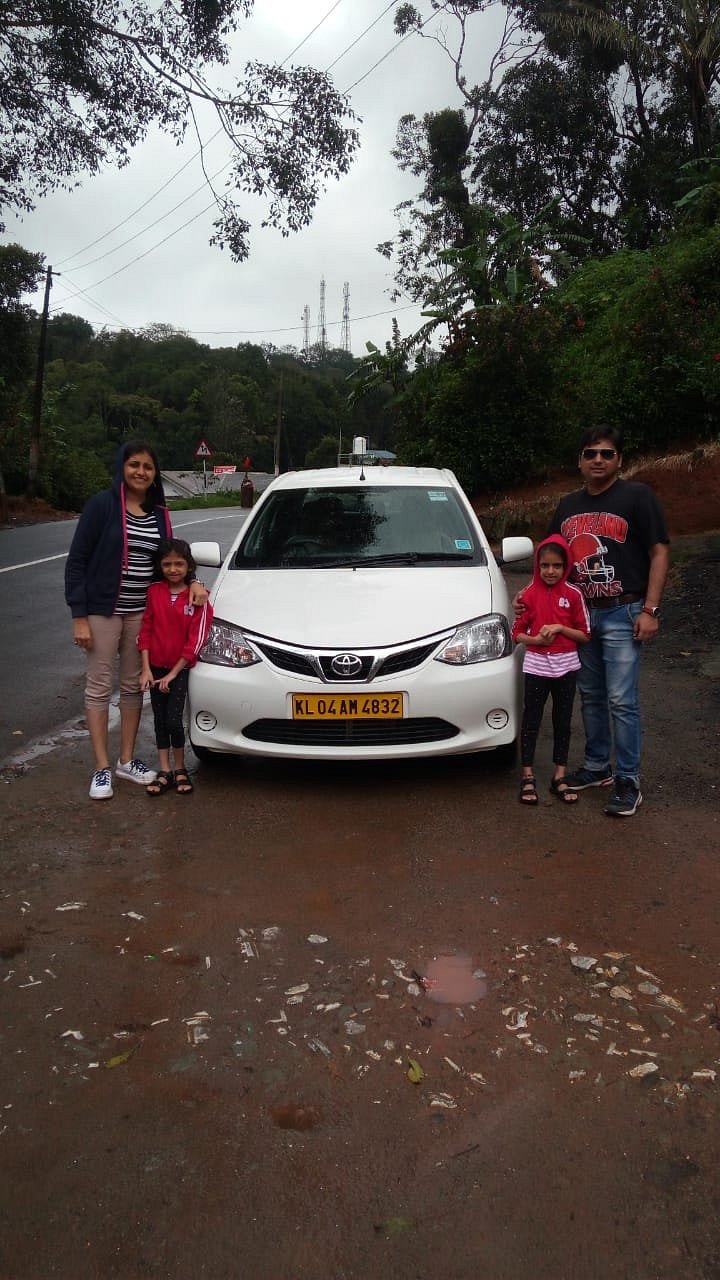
(360, 526)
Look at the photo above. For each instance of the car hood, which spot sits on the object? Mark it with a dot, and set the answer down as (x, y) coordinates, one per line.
(355, 608)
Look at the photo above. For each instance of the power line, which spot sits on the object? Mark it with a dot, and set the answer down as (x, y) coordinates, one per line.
(360, 37)
(183, 167)
(394, 47)
(312, 33)
(205, 210)
(92, 301)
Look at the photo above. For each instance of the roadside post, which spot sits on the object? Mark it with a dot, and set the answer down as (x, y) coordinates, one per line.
(204, 451)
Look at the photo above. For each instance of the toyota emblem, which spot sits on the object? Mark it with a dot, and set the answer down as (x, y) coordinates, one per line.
(346, 665)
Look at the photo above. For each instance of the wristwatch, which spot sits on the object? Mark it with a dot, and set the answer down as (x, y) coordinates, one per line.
(653, 610)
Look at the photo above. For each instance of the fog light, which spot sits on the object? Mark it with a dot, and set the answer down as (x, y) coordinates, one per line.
(498, 718)
(206, 721)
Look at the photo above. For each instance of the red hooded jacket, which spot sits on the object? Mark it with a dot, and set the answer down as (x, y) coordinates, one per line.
(562, 603)
(172, 630)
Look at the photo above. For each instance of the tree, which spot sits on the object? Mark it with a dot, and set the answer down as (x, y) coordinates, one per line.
(81, 84)
(660, 63)
(20, 272)
(588, 109)
(438, 149)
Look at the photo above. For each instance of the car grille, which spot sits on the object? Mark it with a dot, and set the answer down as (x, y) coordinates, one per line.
(305, 663)
(352, 733)
(288, 659)
(406, 660)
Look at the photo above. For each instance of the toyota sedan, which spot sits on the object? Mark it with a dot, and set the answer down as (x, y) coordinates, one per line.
(359, 615)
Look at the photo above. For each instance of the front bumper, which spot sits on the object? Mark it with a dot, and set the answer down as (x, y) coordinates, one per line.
(448, 710)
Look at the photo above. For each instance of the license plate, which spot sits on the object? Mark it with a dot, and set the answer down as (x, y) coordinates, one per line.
(347, 706)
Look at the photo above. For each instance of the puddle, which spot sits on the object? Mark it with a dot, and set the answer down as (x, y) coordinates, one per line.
(292, 1116)
(451, 979)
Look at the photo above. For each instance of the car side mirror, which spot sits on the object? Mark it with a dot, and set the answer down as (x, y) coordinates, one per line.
(516, 549)
(207, 553)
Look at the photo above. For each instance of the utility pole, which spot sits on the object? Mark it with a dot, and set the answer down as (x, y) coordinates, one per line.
(34, 457)
(276, 458)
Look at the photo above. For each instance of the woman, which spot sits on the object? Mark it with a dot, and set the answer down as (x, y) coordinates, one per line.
(108, 571)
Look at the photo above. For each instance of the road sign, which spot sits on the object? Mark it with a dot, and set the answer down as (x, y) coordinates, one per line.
(203, 450)
(222, 471)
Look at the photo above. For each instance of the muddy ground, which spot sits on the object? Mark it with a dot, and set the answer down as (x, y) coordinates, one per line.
(218, 1059)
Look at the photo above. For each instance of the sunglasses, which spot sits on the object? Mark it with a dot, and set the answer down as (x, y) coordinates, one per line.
(606, 454)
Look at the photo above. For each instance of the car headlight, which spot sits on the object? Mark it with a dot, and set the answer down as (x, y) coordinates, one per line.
(482, 640)
(227, 647)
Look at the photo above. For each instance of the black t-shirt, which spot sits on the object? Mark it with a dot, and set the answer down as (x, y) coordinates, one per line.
(610, 536)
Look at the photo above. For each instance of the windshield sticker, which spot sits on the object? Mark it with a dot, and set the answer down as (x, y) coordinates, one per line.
(437, 495)
(463, 544)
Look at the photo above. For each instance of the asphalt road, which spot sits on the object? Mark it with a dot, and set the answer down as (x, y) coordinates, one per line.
(42, 674)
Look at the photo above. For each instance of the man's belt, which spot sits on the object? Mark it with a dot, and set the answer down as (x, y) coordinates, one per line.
(611, 602)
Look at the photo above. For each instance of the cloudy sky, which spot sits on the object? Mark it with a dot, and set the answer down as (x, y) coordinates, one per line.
(119, 271)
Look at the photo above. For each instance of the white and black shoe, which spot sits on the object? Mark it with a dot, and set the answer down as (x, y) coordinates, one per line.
(135, 771)
(101, 785)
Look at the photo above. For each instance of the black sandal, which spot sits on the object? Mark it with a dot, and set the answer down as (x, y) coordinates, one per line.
(163, 783)
(561, 788)
(528, 793)
(183, 785)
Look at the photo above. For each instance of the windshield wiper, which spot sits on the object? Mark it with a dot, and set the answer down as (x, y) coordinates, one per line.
(416, 557)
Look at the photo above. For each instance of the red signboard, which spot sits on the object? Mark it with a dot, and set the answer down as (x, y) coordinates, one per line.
(221, 471)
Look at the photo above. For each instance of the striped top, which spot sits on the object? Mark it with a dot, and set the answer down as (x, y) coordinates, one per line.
(539, 662)
(143, 540)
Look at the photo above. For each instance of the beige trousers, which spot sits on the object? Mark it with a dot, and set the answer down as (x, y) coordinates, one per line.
(114, 638)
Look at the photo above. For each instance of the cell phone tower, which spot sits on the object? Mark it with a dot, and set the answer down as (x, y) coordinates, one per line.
(345, 331)
(306, 331)
(322, 324)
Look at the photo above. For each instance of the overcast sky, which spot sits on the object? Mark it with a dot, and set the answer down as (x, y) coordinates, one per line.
(184, 282)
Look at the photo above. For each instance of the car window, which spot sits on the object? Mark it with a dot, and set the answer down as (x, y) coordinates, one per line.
(300, 528)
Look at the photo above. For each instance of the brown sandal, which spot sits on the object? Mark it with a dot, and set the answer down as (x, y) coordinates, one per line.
(164, 782)
(562, 789)
(528, 792)
(183, 785)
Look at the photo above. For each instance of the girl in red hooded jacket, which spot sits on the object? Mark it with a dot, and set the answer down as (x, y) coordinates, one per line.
(172, 633)
(554, 622)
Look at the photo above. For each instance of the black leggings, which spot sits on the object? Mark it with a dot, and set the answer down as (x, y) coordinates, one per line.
(562, 692)
(168, 709)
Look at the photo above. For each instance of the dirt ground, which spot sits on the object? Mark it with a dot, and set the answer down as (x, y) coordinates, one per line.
(220, 1058)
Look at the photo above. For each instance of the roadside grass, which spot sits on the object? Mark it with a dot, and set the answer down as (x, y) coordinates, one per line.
(203, 501)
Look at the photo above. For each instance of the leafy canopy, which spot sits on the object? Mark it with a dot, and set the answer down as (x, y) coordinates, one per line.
(82, 82)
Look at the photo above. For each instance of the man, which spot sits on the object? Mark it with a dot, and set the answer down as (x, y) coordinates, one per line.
(616, 532)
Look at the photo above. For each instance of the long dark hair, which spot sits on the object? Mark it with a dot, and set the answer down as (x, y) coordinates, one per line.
(155, 495)
(180, 548)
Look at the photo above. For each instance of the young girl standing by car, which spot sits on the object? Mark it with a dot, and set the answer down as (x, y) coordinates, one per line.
(172, 633)
(553, 623)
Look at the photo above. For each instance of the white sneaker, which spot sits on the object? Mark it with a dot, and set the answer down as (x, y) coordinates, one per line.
(101, 785)
(135, 771)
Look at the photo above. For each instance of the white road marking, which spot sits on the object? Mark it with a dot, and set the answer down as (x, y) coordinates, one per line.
(29, 564)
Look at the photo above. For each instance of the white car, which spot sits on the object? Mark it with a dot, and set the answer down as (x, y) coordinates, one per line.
(359, 615)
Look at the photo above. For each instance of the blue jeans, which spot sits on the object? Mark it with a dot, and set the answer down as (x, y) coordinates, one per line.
(609, 691)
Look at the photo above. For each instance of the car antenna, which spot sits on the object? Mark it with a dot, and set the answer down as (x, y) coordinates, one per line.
(362, 469)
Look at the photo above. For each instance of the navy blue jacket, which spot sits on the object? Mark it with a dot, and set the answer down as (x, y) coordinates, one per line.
(98, 550)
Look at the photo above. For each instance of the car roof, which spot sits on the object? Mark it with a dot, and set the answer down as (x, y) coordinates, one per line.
(378, 477)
